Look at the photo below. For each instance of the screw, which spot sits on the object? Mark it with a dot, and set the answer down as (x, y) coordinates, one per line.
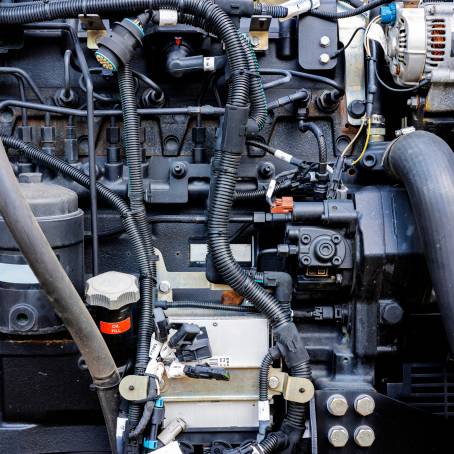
(364, 404)
(273, 382)
(306, 239)
(131, 388)
(255, 41)
(325, 41)
(306, 260)
(164, 287)
(364, 436)
(337, 405)
(337, 261)
(324, 59)
(338, 436)
(336, 239)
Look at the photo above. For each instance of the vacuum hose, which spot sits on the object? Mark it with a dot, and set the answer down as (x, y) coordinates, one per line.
(425, 164)
(60, 291)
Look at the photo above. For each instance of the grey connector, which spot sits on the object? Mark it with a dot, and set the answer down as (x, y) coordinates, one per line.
(172, 430)
(112, 290)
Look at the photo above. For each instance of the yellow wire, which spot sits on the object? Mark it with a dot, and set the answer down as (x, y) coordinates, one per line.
(366, 143)
(352, 142)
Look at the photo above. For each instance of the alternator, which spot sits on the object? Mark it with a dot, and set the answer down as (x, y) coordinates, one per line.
(419, 44)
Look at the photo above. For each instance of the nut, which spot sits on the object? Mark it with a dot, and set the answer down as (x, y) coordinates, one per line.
(337, 405)
(273, 382)
(364, 436)
(325, 41)
(338, 436)
(164, 287)
(324, 59)
(364, 405)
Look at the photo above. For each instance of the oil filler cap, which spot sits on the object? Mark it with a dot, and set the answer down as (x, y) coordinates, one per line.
(112, 290)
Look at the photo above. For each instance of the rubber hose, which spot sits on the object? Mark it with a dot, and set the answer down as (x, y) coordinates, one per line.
(61, 293)
(350, 13)
(321, 142)
(425, 164)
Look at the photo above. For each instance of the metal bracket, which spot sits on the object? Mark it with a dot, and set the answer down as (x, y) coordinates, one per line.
(134, 387)
(258, 32)
(94, 27)
(294, 389)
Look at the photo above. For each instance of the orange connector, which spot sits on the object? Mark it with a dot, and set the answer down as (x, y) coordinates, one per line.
(283, 205)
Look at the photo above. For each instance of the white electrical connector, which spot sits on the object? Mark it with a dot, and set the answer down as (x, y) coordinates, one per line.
(168, 17)
(175, 370)
(264, 410)
(297, 7)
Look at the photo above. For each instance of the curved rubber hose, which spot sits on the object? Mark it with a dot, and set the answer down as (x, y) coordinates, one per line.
(60, 291)
(425, 164)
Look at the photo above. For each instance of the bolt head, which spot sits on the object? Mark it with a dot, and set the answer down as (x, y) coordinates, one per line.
(324, 59)
(338, 436)
(325, 41)
(364, 405)
(337, 405)
(164, 287)
(273, 382)
(364, 436)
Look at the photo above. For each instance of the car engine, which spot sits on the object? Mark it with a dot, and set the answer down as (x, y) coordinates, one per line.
(226, 226)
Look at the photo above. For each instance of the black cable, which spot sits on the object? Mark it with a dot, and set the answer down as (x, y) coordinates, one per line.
(422, 83)
(321, 79)
(342, 49)
(208, 305)
(330, 15)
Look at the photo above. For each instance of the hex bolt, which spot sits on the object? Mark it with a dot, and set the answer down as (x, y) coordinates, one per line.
(338, 436)
(364, 404)
(273, 382)
(337, 405)
(325, 41)
(164, 287)
(324, 59)
(364, 436)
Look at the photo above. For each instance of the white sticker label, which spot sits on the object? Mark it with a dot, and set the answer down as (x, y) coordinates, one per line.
(121, 426)
(208, 64)
(168, 17)
(264, 410)
(167, 352)
(219, 361)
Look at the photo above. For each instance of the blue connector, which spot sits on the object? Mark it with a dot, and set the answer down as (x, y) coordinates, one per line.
(388, 14)
(150, 444)
(159, 403)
